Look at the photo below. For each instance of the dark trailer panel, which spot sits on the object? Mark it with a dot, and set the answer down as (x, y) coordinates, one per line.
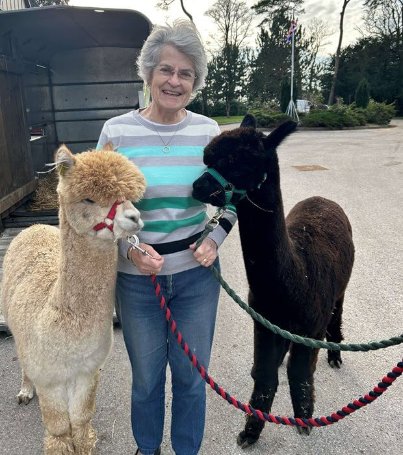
(63, 72)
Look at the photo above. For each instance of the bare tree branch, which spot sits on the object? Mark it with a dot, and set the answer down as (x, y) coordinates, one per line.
(165, 4)
(338, 51)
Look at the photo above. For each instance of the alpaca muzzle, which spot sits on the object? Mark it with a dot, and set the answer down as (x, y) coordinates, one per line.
(107, 223)
(213, 188)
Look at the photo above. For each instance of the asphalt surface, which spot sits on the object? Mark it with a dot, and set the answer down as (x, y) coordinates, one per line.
(364, 170)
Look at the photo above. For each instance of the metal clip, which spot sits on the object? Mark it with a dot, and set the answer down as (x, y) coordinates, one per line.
(215, 220)
(134, 242)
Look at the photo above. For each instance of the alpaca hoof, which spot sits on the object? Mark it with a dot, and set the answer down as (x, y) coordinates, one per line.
(335, 363)
(245, 440)
(24, 397)
(334, 359)
(306, 431)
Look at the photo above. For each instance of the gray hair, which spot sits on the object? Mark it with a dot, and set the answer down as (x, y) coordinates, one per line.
(184, 36)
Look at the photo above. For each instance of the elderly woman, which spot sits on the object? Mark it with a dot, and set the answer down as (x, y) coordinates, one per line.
(166, 141)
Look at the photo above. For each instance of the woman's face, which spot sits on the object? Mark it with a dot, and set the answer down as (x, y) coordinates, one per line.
(172, 80)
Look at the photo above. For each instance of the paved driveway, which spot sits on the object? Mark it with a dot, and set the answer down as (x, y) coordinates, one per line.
(363, 172)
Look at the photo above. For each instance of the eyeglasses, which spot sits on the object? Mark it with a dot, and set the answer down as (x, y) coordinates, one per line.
(168, 71)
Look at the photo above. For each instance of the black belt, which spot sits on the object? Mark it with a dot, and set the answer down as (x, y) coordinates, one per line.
(177, 245)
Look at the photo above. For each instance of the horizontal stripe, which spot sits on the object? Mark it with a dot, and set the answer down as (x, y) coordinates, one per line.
(167, 202)
(167, 161)
(183, 175)
(155, 141)
(170, 226)
(147, 151)
(168, 190)
(180, 233)
(171, 214)
(175, 246)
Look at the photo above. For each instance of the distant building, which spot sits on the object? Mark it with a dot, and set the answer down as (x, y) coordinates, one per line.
(8, 5)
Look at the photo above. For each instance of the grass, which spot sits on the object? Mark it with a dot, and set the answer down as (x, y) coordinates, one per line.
(228, 120)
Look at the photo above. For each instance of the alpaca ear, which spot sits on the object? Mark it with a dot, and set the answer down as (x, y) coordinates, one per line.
(109, 147)
(279, 134)
(249, 121)
(64, 159)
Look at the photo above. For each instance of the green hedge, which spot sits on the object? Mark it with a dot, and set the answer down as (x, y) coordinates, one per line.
(333, 118)
(338, 116)
(268, 119)
(341, 116)
(380, 113)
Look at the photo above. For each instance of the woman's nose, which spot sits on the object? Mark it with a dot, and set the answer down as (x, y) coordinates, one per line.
(174, 78)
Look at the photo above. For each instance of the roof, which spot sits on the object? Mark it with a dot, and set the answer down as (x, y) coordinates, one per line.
(42, 32)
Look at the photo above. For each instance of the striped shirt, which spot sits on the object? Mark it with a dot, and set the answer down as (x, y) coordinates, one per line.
(171, 159)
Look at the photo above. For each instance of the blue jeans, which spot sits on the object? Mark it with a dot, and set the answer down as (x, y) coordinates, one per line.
(192, 297)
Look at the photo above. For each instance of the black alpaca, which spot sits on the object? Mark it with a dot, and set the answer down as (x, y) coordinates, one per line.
(297, 267)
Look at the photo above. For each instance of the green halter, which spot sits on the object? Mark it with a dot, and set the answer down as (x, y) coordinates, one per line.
(228, 187)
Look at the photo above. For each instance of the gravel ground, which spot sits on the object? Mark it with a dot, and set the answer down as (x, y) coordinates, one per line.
(363, 173)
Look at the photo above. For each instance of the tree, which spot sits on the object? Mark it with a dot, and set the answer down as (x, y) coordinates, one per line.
(311, 67)
(271, 8)
(226, 81)
(374, 59)
(228, 70)
(362, 94)
(383, 19)
(165, 4)
(272, 61)
(337, 57)
(233, 19)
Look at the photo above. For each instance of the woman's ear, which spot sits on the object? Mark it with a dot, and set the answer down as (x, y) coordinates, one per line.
(64, 159)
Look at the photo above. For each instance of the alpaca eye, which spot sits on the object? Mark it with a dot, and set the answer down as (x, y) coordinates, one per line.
(88, 201)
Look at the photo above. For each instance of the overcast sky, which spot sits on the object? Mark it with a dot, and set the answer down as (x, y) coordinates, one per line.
(328, 10)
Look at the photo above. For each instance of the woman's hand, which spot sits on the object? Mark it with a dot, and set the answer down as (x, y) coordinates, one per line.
(144, 263)
(206, 254)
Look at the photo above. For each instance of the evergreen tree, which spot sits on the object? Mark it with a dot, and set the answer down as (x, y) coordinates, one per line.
(362, 94)
(272, 62)
(285, 94)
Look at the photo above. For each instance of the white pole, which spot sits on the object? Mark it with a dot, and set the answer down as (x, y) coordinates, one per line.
(291, 109)
(292, 60)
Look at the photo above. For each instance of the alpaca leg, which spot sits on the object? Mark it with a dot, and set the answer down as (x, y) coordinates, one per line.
(53, 404)
(27, 391)
(333, 333)
(269, 353)
(300, 369)
(82, 409)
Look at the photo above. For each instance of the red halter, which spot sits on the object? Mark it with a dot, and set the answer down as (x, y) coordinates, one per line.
(108, 221)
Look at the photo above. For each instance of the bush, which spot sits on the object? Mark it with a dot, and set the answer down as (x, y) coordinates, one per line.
(379, 113)
(329, 119)
(268, 119)
(334, 118)
(341, 116)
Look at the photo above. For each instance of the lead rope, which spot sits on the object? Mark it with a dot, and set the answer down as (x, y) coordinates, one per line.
(370, 397)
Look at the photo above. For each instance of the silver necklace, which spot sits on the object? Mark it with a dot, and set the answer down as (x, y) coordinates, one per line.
(166, 148)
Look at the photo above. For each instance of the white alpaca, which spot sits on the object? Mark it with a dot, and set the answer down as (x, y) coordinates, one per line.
(58, 292)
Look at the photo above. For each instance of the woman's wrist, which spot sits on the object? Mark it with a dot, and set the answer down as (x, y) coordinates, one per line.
(212, 242)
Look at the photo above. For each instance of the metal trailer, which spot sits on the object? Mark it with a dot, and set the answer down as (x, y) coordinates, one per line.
(63, 71)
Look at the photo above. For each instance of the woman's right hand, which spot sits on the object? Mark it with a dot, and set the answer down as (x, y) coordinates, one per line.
(145, 264)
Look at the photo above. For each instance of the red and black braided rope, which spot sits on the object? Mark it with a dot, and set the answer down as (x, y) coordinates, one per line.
(371, 396)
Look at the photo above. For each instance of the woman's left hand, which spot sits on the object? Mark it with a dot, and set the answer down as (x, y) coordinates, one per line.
(206, 254)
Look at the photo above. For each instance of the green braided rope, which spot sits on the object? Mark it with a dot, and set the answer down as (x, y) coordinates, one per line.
(310, 342)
